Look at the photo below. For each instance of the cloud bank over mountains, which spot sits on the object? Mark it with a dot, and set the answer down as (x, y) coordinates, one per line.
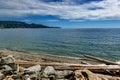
(65, 9)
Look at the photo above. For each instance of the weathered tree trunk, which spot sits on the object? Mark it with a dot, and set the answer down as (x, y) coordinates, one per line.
(79, 66)
(101, 60)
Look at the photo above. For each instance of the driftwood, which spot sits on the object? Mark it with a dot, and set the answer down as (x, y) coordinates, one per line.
(101, 60)
(112, 72)
(50, 60)
(76, 66)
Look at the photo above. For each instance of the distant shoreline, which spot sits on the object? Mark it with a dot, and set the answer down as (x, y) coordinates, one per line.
(19, 24)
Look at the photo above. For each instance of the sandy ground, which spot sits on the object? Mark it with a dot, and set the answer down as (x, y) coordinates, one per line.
(35, 57)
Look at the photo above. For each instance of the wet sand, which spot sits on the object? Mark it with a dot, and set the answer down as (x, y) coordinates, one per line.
(35, 57)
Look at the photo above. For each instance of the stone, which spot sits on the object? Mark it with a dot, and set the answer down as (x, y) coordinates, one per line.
(26, 77)
(70, 76)
(1, 76)
(21, 69)
(33, 71)
(16, 77)
(49, 70)
(62, 74)
(36, 68)
(7, 60)
(8, 78)
(6, 68)
(14, 66)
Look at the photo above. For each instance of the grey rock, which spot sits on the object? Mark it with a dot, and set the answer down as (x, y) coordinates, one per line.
(33, 71)
(16, 77)
(7, 60)
(62, 74)
(26, 77)
(1, 76)
(14, 66)
(6, 68)
(49, 70)
(36, 68)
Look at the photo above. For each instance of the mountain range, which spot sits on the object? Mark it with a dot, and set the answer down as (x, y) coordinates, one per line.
(19, 24)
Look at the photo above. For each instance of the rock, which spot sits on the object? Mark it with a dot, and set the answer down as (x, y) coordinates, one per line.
(70, 76)
(36, 68)
(6, 68)
(62, 74)
(49, 71)
(33, 71)
(10, 67)
(8, 78)
(26, 77)
(52, 77)
(16, 77)
(1, 76)
(10, 61)
(21, 69)
(14, 66)
(7, 60)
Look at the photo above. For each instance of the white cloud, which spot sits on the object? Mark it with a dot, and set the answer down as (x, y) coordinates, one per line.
(106, 9)
(50, 20)
(76, 20)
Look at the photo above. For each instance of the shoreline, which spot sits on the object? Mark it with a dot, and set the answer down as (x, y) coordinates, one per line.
(38, 53)
(41, 57)
(38, 57)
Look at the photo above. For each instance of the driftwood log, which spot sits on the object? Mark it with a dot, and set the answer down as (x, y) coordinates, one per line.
(101, 60)
(75, 66)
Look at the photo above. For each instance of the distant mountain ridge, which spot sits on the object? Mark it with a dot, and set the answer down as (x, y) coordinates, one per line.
(18, 24)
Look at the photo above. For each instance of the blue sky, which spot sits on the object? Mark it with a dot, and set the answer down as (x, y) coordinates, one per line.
(63, 13)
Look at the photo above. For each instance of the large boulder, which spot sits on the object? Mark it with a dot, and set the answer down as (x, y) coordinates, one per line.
(7, 60)
(6, 68)
(8, 63)
(33, 71)
(36, 68)
(49, 70)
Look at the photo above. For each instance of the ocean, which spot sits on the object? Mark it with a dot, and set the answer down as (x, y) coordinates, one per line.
(103, 43)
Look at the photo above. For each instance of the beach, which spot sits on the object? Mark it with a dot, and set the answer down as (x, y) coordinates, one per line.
(35, 57)
(47, 58)
(60, 66)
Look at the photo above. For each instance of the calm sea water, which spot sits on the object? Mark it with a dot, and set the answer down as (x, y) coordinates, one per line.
(104, 43)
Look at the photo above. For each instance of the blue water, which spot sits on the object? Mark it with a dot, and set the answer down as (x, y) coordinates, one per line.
(104, 43)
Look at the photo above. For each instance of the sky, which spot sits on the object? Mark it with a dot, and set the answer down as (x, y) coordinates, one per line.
(63, 13)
